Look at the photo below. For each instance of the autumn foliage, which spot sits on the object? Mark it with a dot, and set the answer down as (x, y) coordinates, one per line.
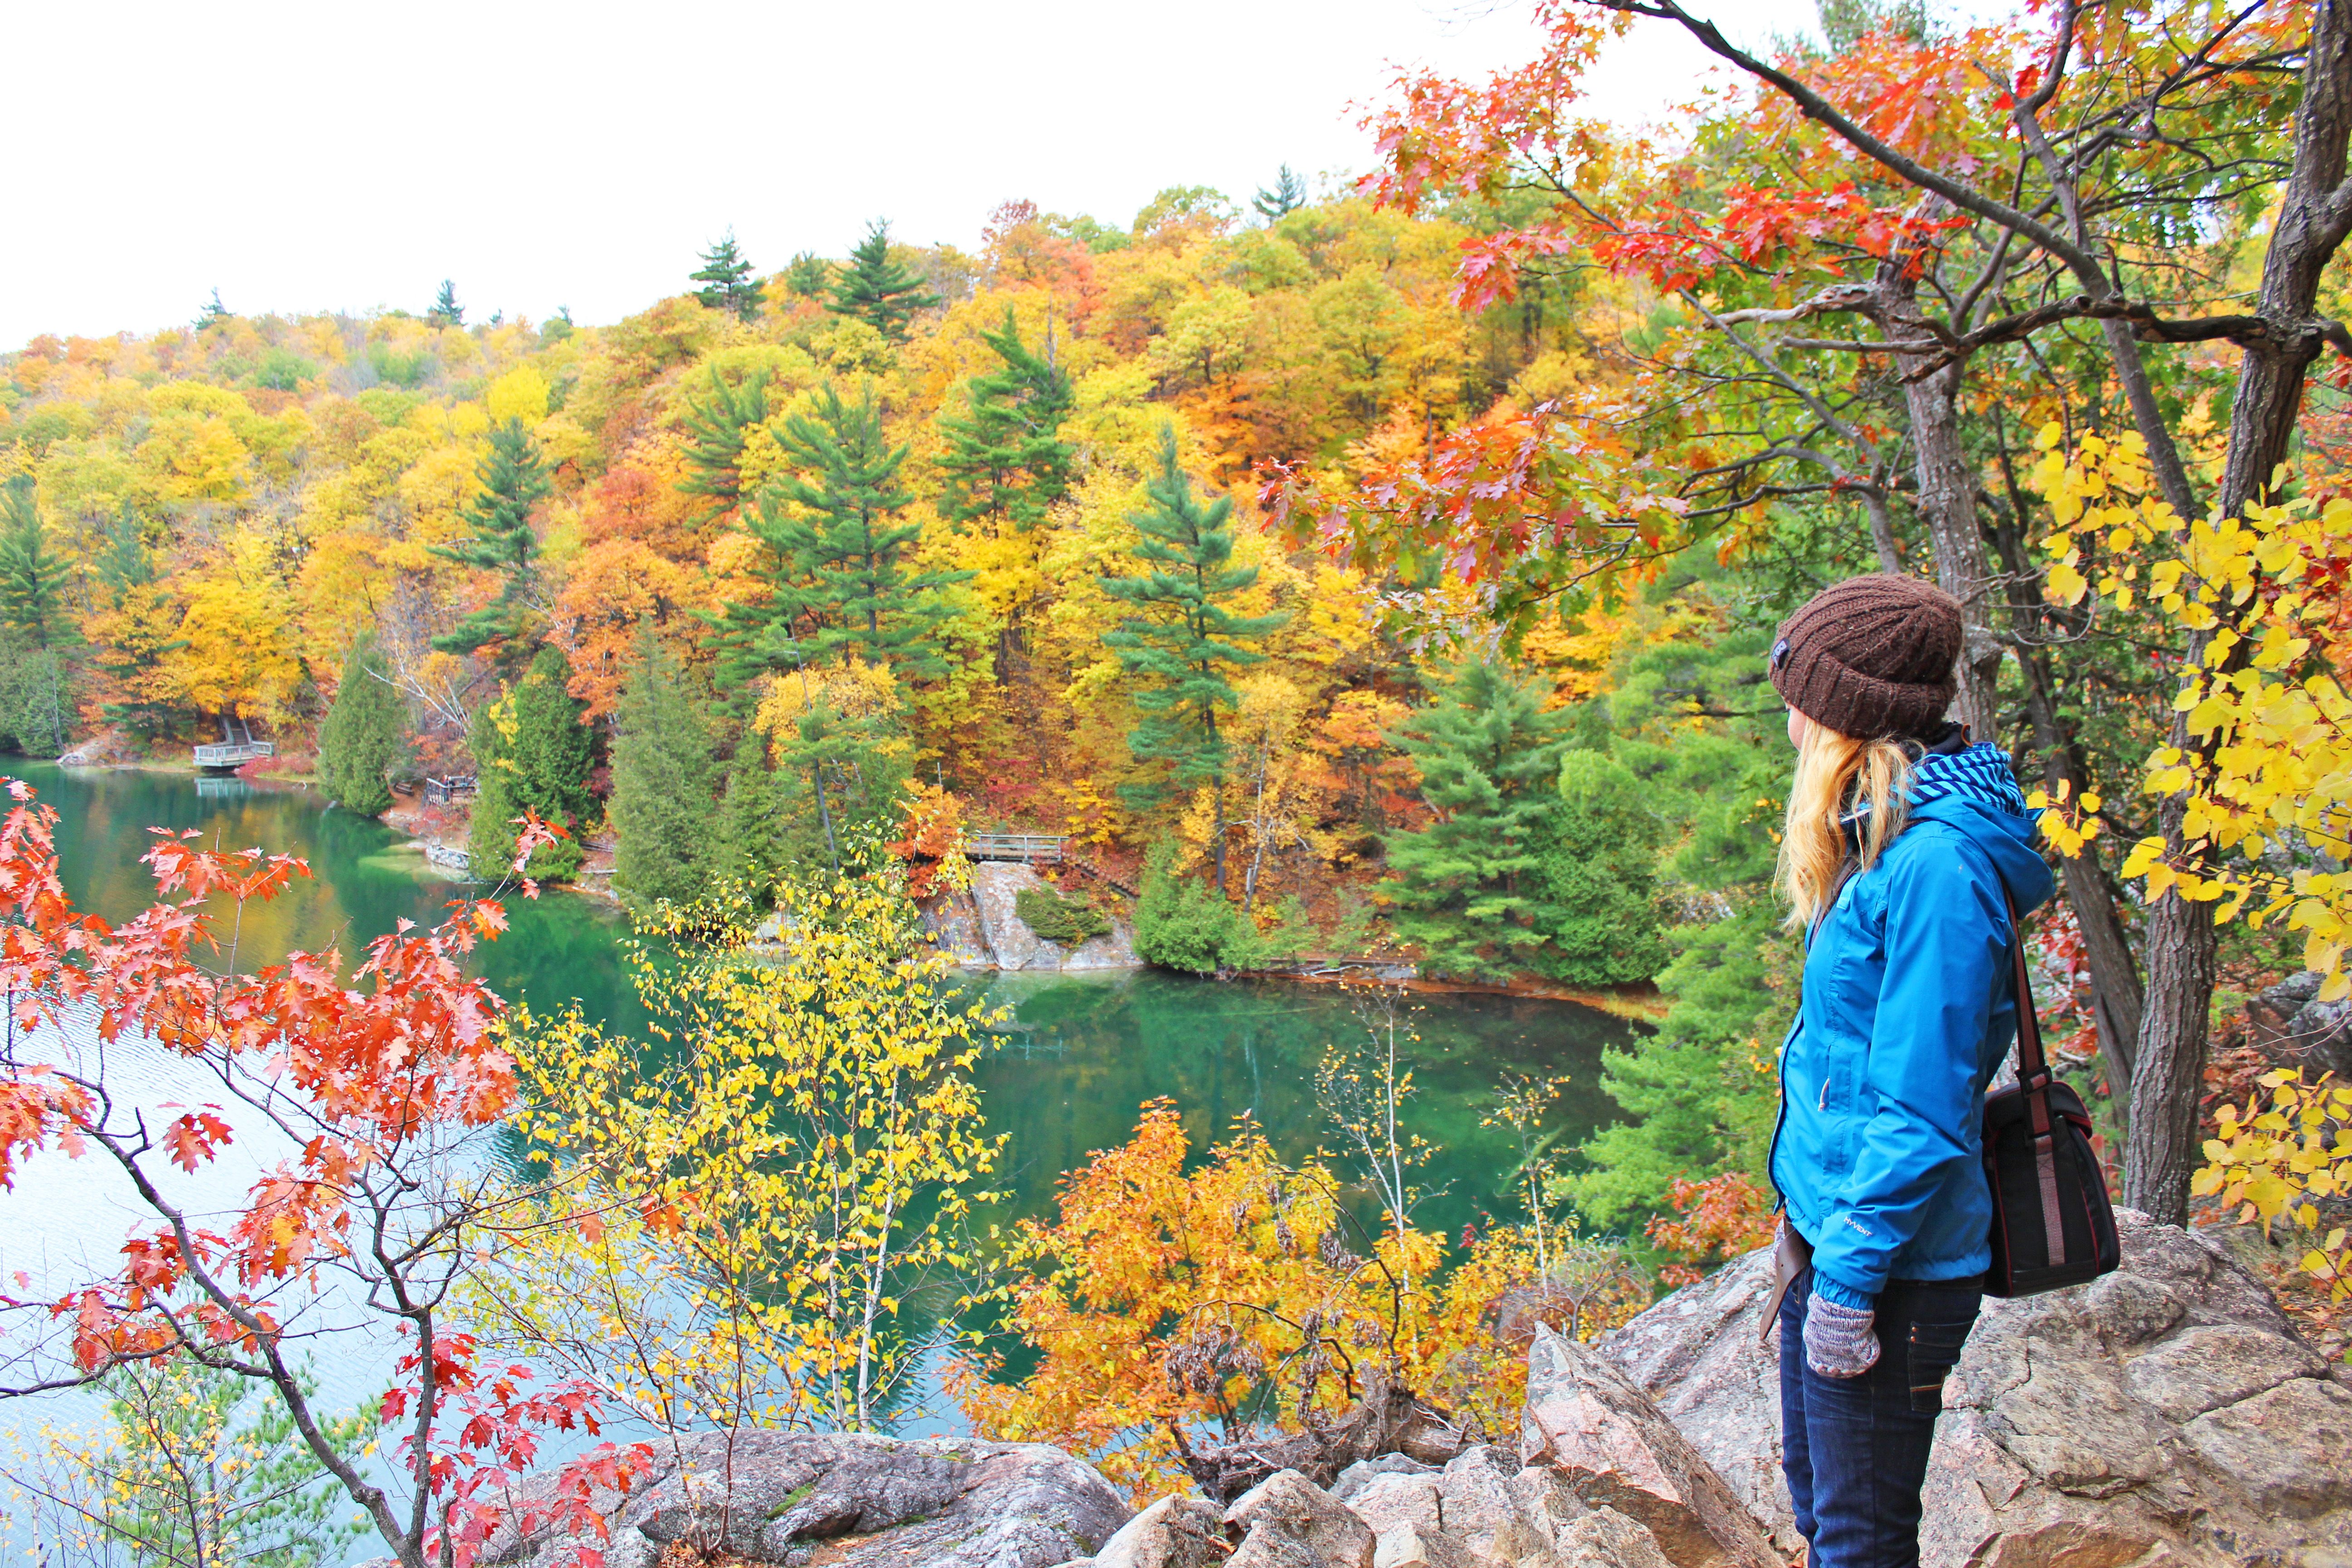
(1241, 1295)
(370, 1085)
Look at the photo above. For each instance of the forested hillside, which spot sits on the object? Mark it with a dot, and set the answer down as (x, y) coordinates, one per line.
(985, 523)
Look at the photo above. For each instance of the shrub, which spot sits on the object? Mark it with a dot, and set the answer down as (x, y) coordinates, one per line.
(1066, 922)
(1188, 925)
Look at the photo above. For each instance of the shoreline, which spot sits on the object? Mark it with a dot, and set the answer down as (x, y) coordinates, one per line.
(1643, 1005)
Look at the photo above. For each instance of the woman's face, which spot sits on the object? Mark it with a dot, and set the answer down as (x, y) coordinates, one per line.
(1796, 722)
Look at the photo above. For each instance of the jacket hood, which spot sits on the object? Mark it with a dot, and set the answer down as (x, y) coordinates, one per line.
(1975, 791)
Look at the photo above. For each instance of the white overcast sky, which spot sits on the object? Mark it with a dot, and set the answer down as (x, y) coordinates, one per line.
(305, 157)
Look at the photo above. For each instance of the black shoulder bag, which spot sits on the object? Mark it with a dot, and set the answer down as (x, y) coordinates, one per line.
(2053, 1225)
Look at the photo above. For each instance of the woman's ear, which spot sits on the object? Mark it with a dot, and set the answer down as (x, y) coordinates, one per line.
(1796, 722)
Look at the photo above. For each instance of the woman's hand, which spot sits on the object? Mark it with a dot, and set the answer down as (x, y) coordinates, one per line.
(1838, 1340)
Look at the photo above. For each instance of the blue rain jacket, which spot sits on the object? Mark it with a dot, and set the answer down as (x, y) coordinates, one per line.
(1908, 1013)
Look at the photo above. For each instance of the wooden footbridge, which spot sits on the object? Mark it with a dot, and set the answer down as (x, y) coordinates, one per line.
(1031, 848)
(231, 755)
(1038, 849)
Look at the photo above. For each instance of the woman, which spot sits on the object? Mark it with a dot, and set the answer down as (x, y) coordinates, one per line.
(1905, 851)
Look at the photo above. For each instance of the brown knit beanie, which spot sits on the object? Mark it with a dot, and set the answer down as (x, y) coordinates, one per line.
(1871, 656)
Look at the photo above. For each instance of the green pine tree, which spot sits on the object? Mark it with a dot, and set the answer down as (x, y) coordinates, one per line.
(1183, 641)
(1597, 870)
(1469, 888)
(758, 841)
(1006, 464)
(531, 751)
(1288, 195)
(1698, 1092)
(513, 481)
(32, 575)
(716, 434)
(662, 771)
(123, 563)
(877, 290)
(808, 275)
(727, 281)
(214, 313)
(445, 310)
(360, 738)
(834, 558)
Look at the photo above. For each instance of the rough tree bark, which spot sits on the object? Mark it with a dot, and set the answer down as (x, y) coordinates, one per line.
(2313, 215)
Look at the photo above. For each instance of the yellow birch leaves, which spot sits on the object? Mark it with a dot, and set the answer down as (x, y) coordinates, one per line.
(2273, 768)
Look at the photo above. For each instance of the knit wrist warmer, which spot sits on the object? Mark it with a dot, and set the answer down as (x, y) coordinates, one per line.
(1842, 1294)
(1838, 1340)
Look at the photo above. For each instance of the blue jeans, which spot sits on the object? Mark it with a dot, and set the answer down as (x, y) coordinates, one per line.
(1856, 1448)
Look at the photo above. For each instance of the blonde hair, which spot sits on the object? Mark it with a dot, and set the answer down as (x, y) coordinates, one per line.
(1837, 776)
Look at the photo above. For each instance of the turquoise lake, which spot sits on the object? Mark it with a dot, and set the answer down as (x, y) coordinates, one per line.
(1079, 1055)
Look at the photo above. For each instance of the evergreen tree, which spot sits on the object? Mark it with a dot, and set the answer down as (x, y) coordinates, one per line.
(755, 844)
(1006, 463)
(513, 481)
(877, 290)
(531, 751)
(836, 548)
(1597, 869)
(361, 736)
(214, 313)
(31, 574)
(445, 310)
(662, 769)
(1184, 640)
(1469, 888)
(123, 563)
(808, 275)
(727, 282)
(36, 698)
(1289, 194)
(1180, 924)
(716, 434)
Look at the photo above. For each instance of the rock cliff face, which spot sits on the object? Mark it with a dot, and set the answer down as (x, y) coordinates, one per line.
(2168, 1413)
(982, 929)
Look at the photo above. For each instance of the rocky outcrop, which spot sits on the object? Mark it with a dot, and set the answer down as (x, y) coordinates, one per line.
(2167, 1412)
(994, 935)
(2291, 1026)
(1483, 1510)
(1696, 1354)
(1588, 1422)
(792, 1497)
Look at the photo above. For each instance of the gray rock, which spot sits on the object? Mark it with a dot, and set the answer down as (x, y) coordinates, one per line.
(1358, 1476)
(1287, 1522)
(1413, 1546)
(1478, 1505)
(1174, 1533)
(1587, 1420)
(2168, 1411)
(1696, 1354)
(1607, 1539)
(996, 889)
(953, 921)
(767, 1497)
(2296, 1028)
(1389, 1500)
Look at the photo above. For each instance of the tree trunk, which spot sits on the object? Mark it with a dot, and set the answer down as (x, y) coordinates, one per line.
(2116, 998)
(1947, 503)
(2161, 1148)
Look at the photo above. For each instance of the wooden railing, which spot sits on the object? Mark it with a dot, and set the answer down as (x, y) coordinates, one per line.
(1032, 848)
(233, 753)
(444, 791)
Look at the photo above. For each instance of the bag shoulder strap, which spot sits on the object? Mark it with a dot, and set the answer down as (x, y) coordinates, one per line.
(2031, 1063)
